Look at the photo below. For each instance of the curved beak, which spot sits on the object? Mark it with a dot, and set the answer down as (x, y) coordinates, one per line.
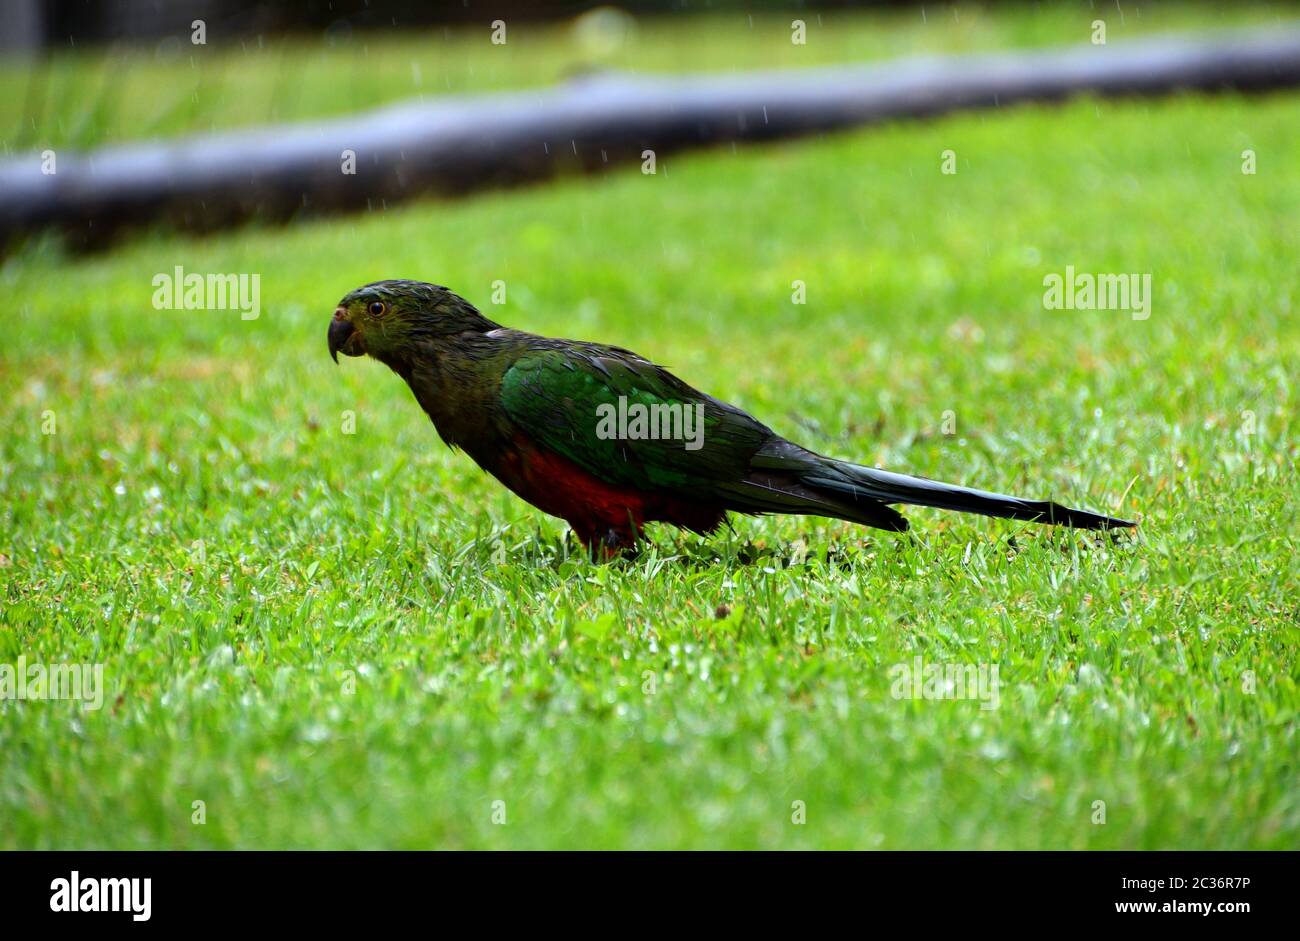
(340, 333)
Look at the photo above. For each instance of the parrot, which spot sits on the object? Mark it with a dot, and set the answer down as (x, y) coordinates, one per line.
(609, 441)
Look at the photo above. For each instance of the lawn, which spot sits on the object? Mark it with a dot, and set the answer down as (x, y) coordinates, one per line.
(84, 97)
(337, 639)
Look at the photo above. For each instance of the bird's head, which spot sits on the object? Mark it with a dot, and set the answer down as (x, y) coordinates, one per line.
(390, 320)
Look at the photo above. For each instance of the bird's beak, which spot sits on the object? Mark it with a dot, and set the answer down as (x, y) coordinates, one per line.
(342, 335)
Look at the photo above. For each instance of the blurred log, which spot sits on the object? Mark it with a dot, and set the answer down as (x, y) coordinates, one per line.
(454, 146)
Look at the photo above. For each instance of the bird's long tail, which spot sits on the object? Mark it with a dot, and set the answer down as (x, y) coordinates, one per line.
(855, 482)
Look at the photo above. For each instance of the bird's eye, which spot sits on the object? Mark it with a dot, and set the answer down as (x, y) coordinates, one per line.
(377, 308)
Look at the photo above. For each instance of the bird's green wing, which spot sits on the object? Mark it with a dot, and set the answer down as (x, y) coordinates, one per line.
(583, 400)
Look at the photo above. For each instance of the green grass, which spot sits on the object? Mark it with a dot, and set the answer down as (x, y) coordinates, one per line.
(377, 642)
(86, 97)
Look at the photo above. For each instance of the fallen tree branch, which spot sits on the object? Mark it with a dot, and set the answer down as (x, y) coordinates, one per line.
(458, 145)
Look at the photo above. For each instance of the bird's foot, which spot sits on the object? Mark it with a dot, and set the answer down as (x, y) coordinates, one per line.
(609, 544)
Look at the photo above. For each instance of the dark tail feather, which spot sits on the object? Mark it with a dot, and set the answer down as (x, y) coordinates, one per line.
(853, 481)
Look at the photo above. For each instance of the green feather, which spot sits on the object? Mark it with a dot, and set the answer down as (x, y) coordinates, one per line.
(556, 395)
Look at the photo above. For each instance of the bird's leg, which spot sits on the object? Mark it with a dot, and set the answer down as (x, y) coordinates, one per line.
(622, 542)
(609, 543)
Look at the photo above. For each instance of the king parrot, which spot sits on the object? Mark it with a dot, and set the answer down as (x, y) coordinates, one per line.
(532, 410)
